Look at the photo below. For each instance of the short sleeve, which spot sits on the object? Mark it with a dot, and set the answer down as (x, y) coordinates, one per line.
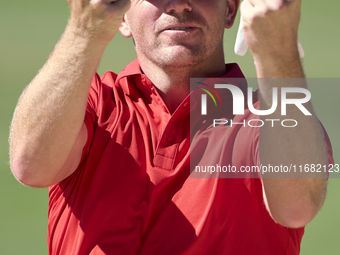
(328, 148)
(256, 146)
(91, 110)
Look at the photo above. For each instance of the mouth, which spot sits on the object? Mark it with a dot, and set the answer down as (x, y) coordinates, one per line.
(179, 28)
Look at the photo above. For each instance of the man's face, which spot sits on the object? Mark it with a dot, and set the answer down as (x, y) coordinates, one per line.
(175, 33)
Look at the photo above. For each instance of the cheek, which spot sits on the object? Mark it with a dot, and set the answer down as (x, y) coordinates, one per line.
(140, 34)
(214, 8)
(141, 24)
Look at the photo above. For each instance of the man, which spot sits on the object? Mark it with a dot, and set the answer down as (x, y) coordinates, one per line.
(114, 150)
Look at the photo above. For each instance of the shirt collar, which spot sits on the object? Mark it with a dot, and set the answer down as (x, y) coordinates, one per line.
(131, 69)
(233, 71)
(233, 76)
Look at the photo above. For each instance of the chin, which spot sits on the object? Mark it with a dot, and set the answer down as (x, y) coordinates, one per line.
(180, 57)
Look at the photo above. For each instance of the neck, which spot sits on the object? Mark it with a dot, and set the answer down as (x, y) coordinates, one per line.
(173, 82)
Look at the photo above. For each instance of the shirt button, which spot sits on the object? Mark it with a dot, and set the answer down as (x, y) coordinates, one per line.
(170, 137)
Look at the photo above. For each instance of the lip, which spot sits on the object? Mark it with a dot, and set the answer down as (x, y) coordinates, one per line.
(173, 27)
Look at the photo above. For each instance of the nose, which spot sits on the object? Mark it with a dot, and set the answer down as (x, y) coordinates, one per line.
(178, 6)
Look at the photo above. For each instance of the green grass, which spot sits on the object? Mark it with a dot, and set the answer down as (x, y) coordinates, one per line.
(28, 32)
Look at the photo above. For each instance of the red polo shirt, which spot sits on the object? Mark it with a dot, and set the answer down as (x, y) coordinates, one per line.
(132, 192)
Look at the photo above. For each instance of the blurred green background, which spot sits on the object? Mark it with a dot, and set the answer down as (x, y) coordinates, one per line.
(30, 29)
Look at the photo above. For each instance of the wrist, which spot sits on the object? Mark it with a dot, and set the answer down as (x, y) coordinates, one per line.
(279, 65)
(98, 36)
(81, 40)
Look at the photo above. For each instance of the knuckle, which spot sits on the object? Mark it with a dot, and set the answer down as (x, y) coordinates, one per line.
(253, 20)
(265, 11)
(96, 3)
(280, 4)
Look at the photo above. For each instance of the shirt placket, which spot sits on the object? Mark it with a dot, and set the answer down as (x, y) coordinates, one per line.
(171, 138)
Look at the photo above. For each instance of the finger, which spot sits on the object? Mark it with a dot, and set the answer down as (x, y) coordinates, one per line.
(246, 8)
(275, 4)
(251, 2)
(118, 4)
(260, 6)
(104, 2)
(256, 3)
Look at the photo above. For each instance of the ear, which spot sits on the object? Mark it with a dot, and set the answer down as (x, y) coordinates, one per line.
(125, 28)
(232, 7)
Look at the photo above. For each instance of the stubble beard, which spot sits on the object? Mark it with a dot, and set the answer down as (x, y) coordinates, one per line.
(177, 58)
